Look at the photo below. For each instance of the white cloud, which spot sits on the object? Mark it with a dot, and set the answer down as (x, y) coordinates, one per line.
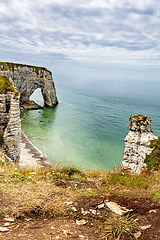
(87, 31)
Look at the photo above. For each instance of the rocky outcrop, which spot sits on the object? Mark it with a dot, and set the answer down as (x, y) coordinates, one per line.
(10, 124)
(137, 143)
(27, 79)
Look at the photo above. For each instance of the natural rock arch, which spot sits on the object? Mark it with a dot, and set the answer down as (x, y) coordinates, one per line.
(28, 78)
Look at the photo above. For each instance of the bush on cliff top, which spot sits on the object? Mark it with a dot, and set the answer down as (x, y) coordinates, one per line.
(5, 84)
(153, 159)
(4, 66)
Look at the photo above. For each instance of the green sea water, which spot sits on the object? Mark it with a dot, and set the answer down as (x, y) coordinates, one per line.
(86, 129)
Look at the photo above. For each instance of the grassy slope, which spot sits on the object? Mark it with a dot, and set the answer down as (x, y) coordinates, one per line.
(44, 193)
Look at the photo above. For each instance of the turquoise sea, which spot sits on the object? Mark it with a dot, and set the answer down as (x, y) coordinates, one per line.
(86, 129)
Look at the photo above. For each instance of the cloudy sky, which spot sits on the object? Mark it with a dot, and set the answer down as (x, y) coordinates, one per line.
(83, 38)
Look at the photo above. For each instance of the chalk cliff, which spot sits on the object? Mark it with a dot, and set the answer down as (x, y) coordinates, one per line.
(27, 79)
(137, 143)
(10, 124)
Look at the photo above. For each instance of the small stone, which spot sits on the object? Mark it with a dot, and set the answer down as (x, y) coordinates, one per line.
(137, 235)
(93, 211)
(6, 224)
(81, 237)
(84, 212)
(144, 227)
(4, 229)
(9, 219)
(74, 209)
(153, 211)
(101, 206)
(65, 232)
(27, 219)
(68, 203)
(52, 227)
(81, 222)
(114, 207)
(137, 219)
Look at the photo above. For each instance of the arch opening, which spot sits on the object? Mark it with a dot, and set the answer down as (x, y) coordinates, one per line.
(37, 97)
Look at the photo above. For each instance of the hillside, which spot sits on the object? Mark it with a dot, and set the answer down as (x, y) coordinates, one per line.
(66, 203)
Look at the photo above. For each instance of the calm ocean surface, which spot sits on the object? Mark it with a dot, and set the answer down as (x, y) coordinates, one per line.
(88, 126)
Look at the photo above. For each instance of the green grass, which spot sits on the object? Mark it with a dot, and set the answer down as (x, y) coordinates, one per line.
(142, 181)
(156, 193)
(71, 171)
(4, 66)
(153, 159)
(11, 66)
(5, 84)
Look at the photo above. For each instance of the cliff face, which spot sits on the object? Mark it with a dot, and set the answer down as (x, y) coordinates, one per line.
(10, 124)
(27, 79)
(137, 143)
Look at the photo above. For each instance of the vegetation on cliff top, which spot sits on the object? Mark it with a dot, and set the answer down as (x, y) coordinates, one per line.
(5, 84)
(11, 66)
(153, 159)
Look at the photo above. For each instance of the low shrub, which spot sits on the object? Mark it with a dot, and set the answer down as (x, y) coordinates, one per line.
(153, 159)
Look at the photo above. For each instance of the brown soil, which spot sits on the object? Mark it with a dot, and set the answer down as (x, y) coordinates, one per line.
(145, 212)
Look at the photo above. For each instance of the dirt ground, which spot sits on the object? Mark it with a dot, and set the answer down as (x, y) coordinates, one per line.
(145, 212)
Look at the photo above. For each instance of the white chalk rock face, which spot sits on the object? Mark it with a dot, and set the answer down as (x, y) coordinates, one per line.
(137, 143)
(10, 124)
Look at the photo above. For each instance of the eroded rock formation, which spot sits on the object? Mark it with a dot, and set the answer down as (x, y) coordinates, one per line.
(137, 143)
(28, 78)
(10, 124)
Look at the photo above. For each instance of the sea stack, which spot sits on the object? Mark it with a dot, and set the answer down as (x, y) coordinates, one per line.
(137, 143)
(10, 123)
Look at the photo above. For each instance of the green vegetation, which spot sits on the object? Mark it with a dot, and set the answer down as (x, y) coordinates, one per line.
(5, 84)
(153, 159)
(11, 66)
(4, 66)
(157, 193)
(71, 171)
(142, 181)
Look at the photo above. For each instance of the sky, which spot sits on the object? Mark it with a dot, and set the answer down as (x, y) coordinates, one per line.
(83, 39)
